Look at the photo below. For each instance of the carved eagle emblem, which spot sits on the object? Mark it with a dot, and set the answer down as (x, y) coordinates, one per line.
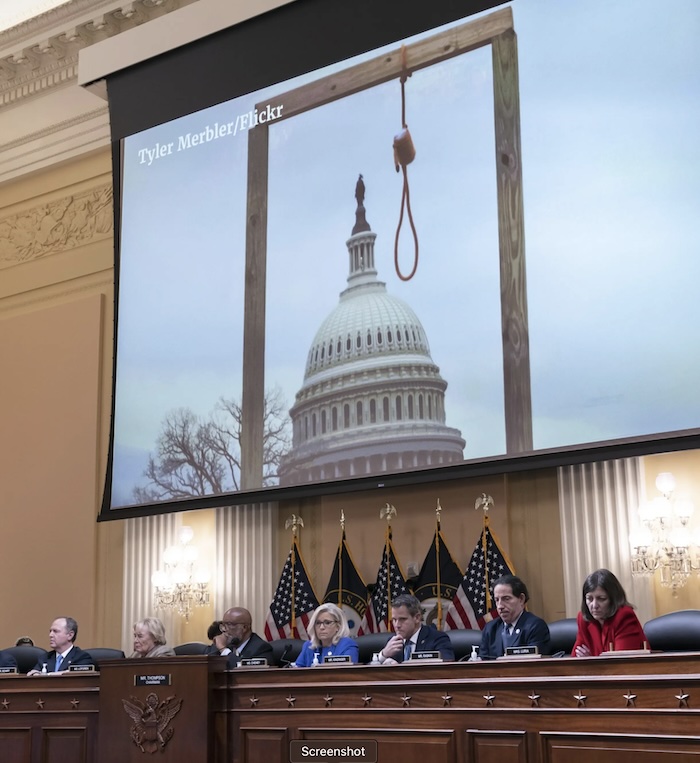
(151, 720)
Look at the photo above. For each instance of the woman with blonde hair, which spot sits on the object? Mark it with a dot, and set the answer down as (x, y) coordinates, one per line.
(329, 636)
(149, 639)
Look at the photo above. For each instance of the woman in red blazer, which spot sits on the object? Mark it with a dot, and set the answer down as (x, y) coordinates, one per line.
(606, 621)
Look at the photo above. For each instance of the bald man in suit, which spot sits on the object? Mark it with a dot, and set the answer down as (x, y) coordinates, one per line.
(237, 639)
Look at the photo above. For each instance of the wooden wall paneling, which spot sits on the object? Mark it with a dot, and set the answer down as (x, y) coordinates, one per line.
(261, 745)
(15, 741)
(185, 694)
(497, 746)
(400, 743)
(60, 745)
(488, 711)
(619, 748)
(48, 720)
(535, 539)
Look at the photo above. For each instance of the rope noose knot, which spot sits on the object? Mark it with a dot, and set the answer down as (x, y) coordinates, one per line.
(404, 154)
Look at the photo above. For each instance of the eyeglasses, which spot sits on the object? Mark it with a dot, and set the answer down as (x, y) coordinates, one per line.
(326, 623)
(229, 624)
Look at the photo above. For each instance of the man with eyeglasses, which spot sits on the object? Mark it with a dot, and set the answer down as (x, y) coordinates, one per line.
(237, 639)
(514, 626)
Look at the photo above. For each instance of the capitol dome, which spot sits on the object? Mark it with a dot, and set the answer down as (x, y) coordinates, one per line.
(368, 324)
(372, 399)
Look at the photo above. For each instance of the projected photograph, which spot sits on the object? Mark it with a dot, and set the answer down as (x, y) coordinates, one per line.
(475, 243)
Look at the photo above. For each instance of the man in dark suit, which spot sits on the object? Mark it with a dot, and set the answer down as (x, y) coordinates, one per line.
(237, 639)
(410, 635)
(64, 651)
(7, 660)
(514, 626)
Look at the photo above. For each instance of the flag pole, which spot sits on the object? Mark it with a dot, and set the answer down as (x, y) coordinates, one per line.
(387, 512)
(485, 502)
(438, 509)
(340, 559)
(294, 522)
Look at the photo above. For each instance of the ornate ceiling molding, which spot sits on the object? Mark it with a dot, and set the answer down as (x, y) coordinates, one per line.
(42, 53)
(59, 141)
(49, 131)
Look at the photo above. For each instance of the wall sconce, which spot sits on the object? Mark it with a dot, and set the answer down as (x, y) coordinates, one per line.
(182, 585)
(664, 541)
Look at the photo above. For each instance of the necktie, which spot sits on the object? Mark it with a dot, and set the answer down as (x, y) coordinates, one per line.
(59, 660)
(407, 649)
(508, 635)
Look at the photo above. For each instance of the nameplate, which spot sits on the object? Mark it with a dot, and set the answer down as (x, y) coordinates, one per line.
(153, 680)
(522, 651)
(334, 659)
(421, 656)
(626, 653)
(254, 662)
(81, 668)
(8, 670)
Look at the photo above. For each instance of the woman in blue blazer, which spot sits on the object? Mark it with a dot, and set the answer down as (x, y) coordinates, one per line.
(329, 636)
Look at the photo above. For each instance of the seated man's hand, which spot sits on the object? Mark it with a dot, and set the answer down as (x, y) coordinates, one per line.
(394, 647)
(221, 641)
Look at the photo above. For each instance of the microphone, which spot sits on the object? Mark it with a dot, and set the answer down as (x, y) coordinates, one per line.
(283, 661)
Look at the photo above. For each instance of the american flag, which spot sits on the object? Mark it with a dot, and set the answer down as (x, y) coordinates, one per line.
(390, 583)
(472, 606)
(294, 600)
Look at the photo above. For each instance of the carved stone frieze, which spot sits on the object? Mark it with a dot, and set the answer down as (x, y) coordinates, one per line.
(56, 226)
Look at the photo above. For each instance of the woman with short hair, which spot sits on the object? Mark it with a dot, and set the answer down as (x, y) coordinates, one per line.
(149, 639)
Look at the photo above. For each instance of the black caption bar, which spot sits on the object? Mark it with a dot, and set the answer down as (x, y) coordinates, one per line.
(337, 750)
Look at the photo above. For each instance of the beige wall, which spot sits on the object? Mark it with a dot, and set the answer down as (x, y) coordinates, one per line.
(56, 298)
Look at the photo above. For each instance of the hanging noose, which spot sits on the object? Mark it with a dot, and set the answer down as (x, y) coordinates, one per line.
(404, 154)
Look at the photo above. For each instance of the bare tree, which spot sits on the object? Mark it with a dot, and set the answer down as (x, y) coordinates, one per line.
(198, 457)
